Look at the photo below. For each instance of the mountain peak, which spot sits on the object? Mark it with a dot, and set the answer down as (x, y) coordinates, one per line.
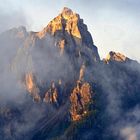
(67, 20)
(67, 11)
(69, 30)
(116, 56)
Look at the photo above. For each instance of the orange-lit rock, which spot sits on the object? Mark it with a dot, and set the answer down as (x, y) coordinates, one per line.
(29, 82)
(82, 72)
(51, 95)
(66, 21)
(79, 99)
(113, 56)
(31, 87)
(67, 13)
(72, 26)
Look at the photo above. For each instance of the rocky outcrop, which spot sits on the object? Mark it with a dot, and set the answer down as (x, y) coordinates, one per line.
(113, 56)
(80, 98)
(51, 96)
(82, 72)
(32, 87)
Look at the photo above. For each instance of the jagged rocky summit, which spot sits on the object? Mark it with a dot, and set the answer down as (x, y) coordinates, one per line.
(118, 57)
(70, 33)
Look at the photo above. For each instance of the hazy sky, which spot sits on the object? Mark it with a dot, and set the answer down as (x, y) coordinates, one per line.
(114, 24)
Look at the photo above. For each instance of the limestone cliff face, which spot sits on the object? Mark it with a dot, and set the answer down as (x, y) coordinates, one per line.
(80, 97)
(32, 87)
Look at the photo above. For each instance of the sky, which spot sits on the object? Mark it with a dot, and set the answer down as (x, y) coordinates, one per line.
(114, 24)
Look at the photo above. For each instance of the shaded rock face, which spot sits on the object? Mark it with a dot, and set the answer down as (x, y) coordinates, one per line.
(80, 97)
